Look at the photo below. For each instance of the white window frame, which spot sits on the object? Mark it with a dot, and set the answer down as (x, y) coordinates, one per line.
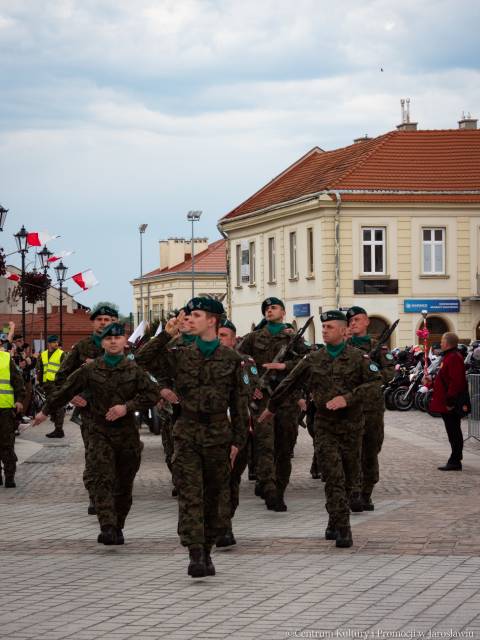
(272, 265)
(238, 265)
(292, 245)
(432, 243)
(372, 243)
(252, 262)
(310, 253)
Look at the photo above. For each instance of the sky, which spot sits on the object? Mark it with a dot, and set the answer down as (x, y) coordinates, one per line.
(115, 113)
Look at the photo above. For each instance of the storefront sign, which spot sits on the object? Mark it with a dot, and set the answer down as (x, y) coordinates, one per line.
(432, 305)
(301, 310)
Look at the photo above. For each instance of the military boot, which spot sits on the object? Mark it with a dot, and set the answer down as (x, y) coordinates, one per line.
(108, 535)
(367, 502)
(227, 540)
(120, 536)
(9, 483)
(197, 567)
(56, 433)
(280, 507)
(208, 561)
(331, 530)
(356, 503)
(344, 537)
(270, 498)
(259, 490)
(91, 508)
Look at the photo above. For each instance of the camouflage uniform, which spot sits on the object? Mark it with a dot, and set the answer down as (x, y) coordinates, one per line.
(203, 434)
(114, 448)
(338, 434)
(8, 425)
(86, 349)
(275, 440)
(374, 411)
(48, 387)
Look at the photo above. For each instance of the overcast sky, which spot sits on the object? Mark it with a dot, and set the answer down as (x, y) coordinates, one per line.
(120, 112)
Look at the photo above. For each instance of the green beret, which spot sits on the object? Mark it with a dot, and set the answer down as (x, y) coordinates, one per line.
(104, 310)
(206, 304)
(269, 301)
(355, 311)
(333, 315)
(113, 329)
(228, 324)
(52, 339)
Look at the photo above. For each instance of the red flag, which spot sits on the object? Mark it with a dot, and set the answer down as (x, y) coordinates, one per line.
(85, 280)
(11, 276)
(39, 238)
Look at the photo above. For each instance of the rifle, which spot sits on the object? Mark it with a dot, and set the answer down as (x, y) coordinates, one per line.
(375, 353)
(265, 382)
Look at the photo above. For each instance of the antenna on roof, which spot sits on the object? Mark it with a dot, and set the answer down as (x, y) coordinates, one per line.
(406, 124)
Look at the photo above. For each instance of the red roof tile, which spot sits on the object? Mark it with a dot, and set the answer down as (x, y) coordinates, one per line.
(212, 260)
(443, 160)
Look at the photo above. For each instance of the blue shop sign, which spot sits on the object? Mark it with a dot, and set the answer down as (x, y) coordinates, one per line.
(432, 305)
(301, 310)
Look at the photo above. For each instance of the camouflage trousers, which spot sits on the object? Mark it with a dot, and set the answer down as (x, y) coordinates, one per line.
(371, 447)
(167, 442)
(275, 441)
(8, 457)
(201, 475)
(340, 453)
(87, 422)
(113, 459)
(233, 491)
(58, 417)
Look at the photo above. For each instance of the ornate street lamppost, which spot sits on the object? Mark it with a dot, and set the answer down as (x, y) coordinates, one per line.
(61, 271)
(21, 238)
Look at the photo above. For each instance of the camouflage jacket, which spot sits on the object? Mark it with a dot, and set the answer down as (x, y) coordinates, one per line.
(105, 387)
(84, 350)
(386, 361)
(350, 375)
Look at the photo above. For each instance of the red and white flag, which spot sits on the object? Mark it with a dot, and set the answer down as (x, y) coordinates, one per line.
(60, 255)
(39, 238)
(12, 276)
(85, 280)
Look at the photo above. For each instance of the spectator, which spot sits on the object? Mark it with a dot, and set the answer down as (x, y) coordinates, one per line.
(449, 388)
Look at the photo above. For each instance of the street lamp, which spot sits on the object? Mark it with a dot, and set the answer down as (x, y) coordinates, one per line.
(142, 228)
(3, 216)
(61, 271)
(21, 238)
(44, 255)
(193, 216)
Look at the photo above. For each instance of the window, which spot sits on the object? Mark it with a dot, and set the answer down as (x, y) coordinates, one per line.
(272, 274)
(251, 261)
(310, 255)
(293, 254)
(238, 264)
(373, 250)
(156, 311)
(433, 245)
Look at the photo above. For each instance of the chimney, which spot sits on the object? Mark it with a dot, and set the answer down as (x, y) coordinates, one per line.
(406, 125)
(467, 122)
(362, 139)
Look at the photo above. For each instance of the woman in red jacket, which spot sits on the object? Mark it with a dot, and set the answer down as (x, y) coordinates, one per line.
(449, 384)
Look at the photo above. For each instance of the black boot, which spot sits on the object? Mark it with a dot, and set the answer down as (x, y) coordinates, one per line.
(9, 483)
(259, 490)
(174, 493)
(367, 502)
(91, 507)
(227, 540)
(56, 433)
(210, 567)
(270, 498)
(356, 504)
(108, 535)
(280, 507)
(451, 466)
(331, 530)
(344, 537)
(197, 567)
(120, 536)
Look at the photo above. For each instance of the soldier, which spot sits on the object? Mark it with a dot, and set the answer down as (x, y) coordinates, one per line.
(227, 334)
(12, 392)
(208, 380)
(374, 404)
(116, 387)
(275, 440)
(47, 368)
(86, 350)
(338, 377)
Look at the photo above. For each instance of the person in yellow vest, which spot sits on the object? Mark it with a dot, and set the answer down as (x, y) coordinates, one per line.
(12, 392)
(47, 368)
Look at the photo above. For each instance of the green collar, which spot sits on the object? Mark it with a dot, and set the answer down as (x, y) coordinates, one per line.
(112, 361)
(207, 347)
(359, 341)
(96, 340)
(275, 327)
(187, 338)
(335, 350)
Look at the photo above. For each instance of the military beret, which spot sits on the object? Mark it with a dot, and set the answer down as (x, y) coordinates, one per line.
(205, 304)
(333, 315)
(228, 324)
(269, 301)
(113, 329)
(355, 311)
(52, 338)
(104, 310)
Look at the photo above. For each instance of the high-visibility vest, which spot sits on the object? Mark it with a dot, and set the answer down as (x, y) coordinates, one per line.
(7, 400)
(52, 365)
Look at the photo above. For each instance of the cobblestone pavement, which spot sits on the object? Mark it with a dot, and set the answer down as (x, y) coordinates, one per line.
(414, 568)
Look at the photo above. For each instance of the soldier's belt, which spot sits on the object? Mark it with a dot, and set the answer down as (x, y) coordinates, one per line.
(202, 417)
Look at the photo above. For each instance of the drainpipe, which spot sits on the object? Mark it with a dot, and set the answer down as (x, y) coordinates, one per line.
(227, 244)
(337, 249)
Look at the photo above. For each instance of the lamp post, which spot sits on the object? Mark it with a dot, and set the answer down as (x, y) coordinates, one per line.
(61, 271)
(3, 216)
(21, 238)
(193, 216)
(44, 255)
(142, 228)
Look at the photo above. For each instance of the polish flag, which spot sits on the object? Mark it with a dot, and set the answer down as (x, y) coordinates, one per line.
(39, 238)
(60, 256)
(11, 276)
(85, 280)
(138, 333)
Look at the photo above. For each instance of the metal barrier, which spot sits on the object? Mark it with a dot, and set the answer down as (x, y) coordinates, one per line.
(474, 417)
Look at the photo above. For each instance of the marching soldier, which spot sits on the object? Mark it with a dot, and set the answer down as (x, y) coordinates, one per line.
(116, 387)
(85, 351)
(338, 377)
(275, 441)
(374, 405)
(48, 366)
(12, 392)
